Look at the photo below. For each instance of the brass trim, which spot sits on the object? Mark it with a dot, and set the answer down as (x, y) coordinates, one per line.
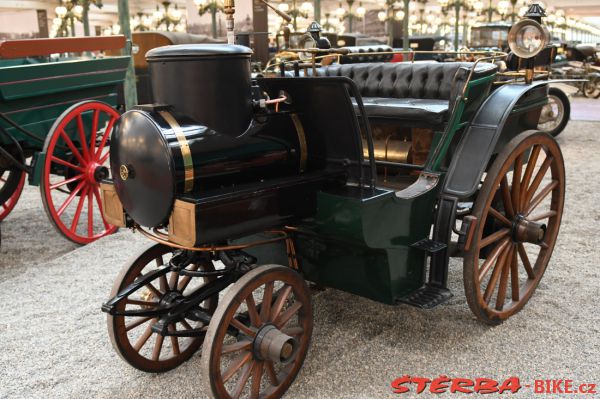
(302, 140)
(123, 172)
(186, 154)
(112, 209)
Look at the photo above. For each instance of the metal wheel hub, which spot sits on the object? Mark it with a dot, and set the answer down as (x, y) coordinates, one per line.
(170, 298)
(95, 173)
(524, 230)
(272, 344)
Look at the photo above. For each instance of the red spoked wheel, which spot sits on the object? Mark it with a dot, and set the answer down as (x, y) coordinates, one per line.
(76, 161)
(13, 190)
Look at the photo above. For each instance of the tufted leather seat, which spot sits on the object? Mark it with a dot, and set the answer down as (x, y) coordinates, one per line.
(421, 93)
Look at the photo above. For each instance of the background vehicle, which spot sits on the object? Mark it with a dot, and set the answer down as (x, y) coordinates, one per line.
(580, 61)
(355, 184)
(59, 114)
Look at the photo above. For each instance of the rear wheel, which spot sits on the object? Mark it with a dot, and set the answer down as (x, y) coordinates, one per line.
(523, 195)
(555, 115)
(76, 161)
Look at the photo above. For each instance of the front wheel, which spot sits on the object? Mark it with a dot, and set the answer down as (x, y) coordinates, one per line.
(555, 115)
(76, 161)
(591, 88)
(522, 196)
(11, 186)
(259, 335)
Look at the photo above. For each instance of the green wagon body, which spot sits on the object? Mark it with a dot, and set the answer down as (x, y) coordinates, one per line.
(34, 94)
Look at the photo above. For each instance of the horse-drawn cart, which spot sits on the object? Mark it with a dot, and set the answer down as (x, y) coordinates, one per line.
(56, 116)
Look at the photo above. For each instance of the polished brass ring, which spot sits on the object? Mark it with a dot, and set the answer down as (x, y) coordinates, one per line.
(186, 153)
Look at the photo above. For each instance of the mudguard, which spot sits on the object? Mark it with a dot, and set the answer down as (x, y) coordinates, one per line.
(481, 138)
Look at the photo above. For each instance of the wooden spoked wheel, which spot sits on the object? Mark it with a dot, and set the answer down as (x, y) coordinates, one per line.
(76, 161)
(11, 186)
(132, 337)
(259, 335)
(519, 210)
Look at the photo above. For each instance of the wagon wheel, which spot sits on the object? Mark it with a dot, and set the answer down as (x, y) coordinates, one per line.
(11, 186)
(132, 337)
(259, 335)
(529, 177)
(76, 161)
(555, 115)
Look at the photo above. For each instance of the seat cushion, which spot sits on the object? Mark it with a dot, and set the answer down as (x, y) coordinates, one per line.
(425, 111)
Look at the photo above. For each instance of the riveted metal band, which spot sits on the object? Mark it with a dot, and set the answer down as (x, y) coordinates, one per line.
(301, 140)
(186, 154)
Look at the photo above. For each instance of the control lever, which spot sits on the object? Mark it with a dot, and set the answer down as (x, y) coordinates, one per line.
(283, 15)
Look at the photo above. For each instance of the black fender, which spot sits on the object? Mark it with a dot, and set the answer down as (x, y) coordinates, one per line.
(494, 124)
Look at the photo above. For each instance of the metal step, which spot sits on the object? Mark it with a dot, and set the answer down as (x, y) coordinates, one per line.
(429, 245)
(427, 297)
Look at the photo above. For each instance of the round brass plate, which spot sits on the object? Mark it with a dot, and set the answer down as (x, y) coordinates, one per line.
(123, 172)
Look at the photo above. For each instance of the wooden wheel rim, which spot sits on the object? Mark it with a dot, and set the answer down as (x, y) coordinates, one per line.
(88, 158)
(501, 266)
(251, 366)
(117, 327)
(9, 204)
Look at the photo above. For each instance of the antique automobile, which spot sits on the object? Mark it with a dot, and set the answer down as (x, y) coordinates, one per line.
(364, 178)
(56, 116)
(490, 36)
(580, 61)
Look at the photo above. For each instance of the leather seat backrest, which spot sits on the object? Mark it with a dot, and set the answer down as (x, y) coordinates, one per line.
(441, 81)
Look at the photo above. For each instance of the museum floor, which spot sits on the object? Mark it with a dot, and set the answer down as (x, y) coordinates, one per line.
(53, 340)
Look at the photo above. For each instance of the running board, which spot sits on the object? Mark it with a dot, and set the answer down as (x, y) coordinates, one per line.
(427, 297)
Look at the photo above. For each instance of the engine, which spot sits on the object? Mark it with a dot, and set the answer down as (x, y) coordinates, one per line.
(207, 159)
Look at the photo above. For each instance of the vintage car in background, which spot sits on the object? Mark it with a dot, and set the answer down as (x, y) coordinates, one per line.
(491, 36)
(579, 61)
(361, 177)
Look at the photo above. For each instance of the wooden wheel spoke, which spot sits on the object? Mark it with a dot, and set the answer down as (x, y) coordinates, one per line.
(62, 162)
(163, 284)
(504, 280)
(174, 340)
(252, 312)
(241, 382)
(540, 196)
(244, 329)
(284, 317)
(503, 232)
(535, 152)
(183, 283)
(265, 308)
(90, 215)
(75, 221)
(525, 260)
(82, 140)
(235, 365)
(139, 344)
(104, 137)
(271, 373)
(153, 289)
(99, 204)
(293, 331)
(283, 295)
(257, 372)
(538, 178)
(136, 323)
(72, 147)
(157, 347)
(499, 217)
(506, 198)
(514, 275)
(186, 325)
(66, 181)
(541, 216)
(516, 184)
(93, 133)
(70, 198)
(103, 158)
(236, 347)
(492, 258)
(491, 286)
